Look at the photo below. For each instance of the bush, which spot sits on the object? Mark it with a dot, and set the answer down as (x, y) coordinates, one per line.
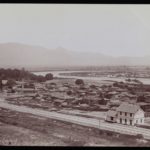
(79, 82)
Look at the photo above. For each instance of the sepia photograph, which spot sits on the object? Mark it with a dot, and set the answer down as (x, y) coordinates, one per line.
(75, 75)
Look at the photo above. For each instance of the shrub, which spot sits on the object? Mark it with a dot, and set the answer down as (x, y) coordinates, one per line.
(79, 82)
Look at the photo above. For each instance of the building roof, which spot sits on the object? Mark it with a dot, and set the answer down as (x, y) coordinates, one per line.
(58, 101)
(26, 89)
(113, 92)
(126, 107)
(84, 105)
(61, 95)
(142, 104)
(112, 113)
(4, 82)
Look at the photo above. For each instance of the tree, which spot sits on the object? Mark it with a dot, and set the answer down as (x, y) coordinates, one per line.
(1, 85)
(104, 86)
(132, 91)
(49, 76)
(115, 84)
(17, 74)
(69, 92)
(11, 83)
(79, 82)
(92, 86)
(40, 78)
(101, 95)
(129, 80)
(141, 98)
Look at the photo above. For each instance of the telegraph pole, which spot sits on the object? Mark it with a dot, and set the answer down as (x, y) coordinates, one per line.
(99, 126)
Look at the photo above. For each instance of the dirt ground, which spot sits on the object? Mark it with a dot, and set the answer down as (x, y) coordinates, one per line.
(26, 129)
(18, 136)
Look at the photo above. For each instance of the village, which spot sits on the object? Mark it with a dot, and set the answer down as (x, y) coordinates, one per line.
(74, 75)
(112, 107)
(62, 94)
(109, 102)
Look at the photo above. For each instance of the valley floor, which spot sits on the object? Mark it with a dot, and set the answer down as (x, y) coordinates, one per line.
(29, 130)
(20, 128)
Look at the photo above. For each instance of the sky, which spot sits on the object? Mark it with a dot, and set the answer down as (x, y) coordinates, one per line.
(111, 29)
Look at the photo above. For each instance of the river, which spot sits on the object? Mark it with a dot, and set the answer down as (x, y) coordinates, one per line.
(57, 74)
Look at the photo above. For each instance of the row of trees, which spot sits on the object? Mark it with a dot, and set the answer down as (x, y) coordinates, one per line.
(40, 78)
(13, 75)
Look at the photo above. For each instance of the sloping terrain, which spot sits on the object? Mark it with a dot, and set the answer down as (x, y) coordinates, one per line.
(21, 55)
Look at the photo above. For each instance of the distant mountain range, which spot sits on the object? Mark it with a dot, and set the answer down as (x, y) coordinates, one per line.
(21, 55)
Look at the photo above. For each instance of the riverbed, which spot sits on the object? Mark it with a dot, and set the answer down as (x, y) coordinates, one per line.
(118, 79)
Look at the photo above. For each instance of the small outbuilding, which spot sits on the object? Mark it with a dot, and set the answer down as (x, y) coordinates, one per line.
(111, 116)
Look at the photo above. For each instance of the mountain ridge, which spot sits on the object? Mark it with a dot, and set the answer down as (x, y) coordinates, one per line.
(24, 55)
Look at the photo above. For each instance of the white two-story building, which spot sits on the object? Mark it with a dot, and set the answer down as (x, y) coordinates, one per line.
(129, 114)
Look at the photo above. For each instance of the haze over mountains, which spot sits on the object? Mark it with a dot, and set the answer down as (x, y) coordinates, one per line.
(21, 55)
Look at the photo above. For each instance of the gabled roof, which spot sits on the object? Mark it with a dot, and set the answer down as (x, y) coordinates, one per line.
(126, 107)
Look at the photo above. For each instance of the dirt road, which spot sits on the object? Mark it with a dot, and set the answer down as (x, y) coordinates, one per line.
(90, 122)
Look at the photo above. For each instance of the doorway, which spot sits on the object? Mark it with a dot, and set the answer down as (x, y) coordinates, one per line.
(120, 120)
(130, 122)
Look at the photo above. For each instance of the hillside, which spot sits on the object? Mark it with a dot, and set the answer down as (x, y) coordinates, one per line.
(21, 55)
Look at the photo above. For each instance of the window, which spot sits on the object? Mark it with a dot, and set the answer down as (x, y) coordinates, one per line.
(112, 118)
(136, 121)
(120, 120)
(125, 114)
(130, 114)
(141, 120)
(120, 113)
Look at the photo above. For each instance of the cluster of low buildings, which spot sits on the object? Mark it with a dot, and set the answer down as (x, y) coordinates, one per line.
(119, 102)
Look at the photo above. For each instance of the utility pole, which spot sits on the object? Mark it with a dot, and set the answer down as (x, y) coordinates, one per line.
(99, 127)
